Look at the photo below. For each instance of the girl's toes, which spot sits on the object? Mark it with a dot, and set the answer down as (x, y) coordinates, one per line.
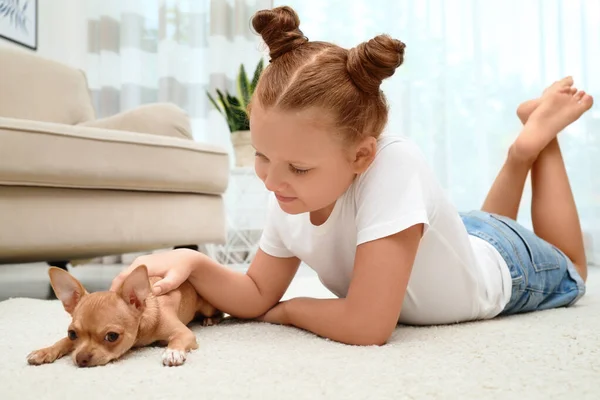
(567, 81)
(567, 90)
(587, 101)
(579, 95)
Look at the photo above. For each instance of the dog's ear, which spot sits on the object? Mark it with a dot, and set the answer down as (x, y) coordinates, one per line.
(136, 287)
(67, 289)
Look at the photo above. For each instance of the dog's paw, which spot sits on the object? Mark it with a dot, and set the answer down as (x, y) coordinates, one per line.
(173, 357)
(42, 356)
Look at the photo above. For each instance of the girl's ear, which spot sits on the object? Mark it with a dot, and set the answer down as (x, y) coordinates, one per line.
(364, 154)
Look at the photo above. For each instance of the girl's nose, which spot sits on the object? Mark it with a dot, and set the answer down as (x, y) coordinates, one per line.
(273, 181)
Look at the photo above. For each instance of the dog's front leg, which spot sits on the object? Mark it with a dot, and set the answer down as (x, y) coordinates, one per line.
(181, 340)
(52, 353)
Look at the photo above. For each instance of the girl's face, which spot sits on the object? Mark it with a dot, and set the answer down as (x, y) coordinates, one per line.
(302, 161)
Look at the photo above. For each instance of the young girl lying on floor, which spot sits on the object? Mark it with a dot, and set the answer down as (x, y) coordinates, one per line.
(368, 215)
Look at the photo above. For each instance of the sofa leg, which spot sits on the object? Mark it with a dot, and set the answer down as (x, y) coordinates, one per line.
(188, 246)
(59, 264)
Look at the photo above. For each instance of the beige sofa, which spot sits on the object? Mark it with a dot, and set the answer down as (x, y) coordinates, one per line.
(76, 187)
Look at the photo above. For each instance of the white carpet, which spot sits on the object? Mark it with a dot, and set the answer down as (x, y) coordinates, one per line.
(545, 355)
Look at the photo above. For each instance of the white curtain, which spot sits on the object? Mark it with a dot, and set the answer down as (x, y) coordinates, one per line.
(143, 51)
(469, 63)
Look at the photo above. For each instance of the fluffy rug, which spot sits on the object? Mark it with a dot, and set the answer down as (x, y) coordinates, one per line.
(545, 355)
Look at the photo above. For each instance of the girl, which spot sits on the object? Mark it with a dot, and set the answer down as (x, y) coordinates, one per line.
(367, 214)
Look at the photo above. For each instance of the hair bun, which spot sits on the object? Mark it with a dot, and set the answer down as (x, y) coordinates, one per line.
(279, 29)
(371, 62)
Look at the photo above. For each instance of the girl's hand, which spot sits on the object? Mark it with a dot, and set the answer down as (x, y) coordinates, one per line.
(174, 267)
(276, 315)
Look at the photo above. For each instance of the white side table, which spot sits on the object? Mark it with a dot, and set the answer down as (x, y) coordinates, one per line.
(246, 202)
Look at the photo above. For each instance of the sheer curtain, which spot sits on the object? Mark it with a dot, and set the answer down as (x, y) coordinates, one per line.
(143, 51)
(468, 65)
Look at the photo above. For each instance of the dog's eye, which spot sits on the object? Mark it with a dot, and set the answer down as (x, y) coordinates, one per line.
(111, 337)
(72, 335)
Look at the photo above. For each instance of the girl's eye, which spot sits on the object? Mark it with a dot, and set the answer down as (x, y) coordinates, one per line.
(298, 170)
(257, 154)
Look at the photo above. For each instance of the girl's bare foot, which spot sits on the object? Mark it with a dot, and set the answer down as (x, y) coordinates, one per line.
(557, 110)
(564, 85)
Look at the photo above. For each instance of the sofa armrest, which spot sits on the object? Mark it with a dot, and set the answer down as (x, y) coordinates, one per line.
(163, 119)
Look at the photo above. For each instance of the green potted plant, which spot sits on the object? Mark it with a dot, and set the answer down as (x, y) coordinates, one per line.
(235, 111)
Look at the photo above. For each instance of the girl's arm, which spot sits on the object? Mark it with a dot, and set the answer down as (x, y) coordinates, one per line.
(244, 295)
(369, 313)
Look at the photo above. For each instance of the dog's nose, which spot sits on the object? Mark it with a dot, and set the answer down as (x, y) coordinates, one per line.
(83, 359)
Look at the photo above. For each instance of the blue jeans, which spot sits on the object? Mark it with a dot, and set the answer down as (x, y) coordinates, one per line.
(543, 276)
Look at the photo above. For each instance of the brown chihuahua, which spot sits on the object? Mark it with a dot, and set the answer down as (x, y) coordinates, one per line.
(105, 325)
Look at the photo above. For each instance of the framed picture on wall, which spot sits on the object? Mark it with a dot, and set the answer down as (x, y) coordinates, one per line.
(19, 22)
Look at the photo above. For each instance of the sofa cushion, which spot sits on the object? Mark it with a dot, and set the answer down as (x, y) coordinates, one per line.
(36, 88)
(44, 224)
(54, 155)
(163, 119)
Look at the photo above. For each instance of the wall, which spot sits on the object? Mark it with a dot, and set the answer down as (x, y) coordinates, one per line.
(62, 32)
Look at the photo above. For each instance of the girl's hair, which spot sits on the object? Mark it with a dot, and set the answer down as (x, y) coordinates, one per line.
(304, 74)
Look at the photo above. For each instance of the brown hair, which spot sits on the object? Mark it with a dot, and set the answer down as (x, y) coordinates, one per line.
(304, 74)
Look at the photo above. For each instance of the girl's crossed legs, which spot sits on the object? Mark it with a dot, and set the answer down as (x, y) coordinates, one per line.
(553, 211)
(548, 266)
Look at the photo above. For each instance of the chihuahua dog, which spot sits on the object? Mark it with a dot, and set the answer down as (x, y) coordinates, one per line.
(105, 325)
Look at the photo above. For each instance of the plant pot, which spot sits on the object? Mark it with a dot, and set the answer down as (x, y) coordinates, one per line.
(242, 147)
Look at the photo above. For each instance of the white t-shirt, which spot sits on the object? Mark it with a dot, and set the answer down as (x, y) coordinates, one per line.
(456, 277)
